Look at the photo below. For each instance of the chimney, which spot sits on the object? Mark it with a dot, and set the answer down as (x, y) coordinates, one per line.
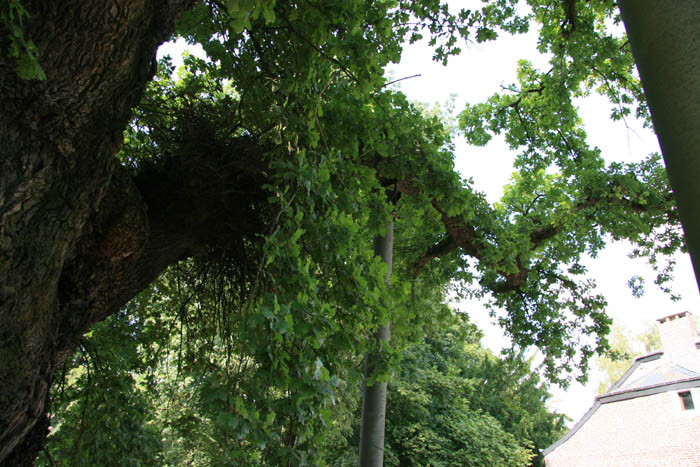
(678, 339)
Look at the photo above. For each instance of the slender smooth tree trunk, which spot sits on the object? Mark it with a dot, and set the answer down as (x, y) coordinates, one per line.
(665, 40)
(374, 396)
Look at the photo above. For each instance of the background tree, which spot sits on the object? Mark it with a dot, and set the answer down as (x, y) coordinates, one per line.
(623, 350)
(454, 403)
(102, 408)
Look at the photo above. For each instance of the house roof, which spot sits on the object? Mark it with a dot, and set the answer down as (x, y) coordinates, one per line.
(651, 370)
(676, 368)
(648, 375)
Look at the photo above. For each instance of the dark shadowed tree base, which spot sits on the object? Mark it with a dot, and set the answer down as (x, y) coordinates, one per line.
(28, 450)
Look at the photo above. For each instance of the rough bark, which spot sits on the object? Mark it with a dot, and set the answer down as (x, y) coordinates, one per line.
(74, 228)
(374, 396)
(665, 40)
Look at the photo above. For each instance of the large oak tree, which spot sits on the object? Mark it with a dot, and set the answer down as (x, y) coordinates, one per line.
(75, 232)
(287, 135)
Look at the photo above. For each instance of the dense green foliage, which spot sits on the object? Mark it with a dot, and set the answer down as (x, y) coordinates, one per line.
(454, 403)
(309, 94)
(203, 396)
(24, 51)
(240, 354)
(102, 409)
(139, 391)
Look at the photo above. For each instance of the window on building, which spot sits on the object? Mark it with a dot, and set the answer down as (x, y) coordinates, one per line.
(686, 400)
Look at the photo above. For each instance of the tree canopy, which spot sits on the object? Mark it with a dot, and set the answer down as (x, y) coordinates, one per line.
(261, 173)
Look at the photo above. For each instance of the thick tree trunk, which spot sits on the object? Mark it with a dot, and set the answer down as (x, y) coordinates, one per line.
(665, 40)
(374, 396)
(74, 229)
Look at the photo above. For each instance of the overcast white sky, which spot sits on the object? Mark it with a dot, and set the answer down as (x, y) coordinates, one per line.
(473, 76)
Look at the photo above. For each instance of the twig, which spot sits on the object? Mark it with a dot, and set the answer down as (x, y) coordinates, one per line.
(400, 79)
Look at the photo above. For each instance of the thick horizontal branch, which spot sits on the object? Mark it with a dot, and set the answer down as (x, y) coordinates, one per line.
(186, 206)
(463, 234)
(445, 246)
